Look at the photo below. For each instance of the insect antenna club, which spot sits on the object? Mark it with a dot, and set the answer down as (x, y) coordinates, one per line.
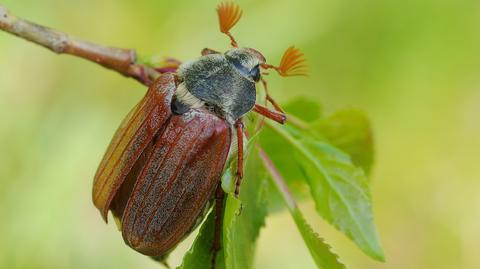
(165, 161)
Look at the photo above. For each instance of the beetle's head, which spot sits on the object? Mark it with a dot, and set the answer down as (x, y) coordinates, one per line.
(247, 61)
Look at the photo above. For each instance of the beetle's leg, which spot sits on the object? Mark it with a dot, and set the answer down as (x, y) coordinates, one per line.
(169, 65)
(239, 174)
(207, 51)
(273, 115)
(270, 99)
(219, 204)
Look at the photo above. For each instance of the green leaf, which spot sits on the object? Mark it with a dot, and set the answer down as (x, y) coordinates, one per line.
(350, 131)
(304, 109)
(228, 178)
(339, 189)
(281, 154)
(200, 254)
(244, 217)
(320, 251)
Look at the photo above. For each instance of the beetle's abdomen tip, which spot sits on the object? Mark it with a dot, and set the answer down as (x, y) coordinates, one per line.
(149, 249)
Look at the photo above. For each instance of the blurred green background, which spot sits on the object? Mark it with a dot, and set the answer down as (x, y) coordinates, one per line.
(412, 65)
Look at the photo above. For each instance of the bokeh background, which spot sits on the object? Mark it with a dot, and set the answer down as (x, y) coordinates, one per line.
(412, 65)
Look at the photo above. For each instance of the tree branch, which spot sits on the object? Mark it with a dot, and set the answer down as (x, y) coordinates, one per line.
(123, 61)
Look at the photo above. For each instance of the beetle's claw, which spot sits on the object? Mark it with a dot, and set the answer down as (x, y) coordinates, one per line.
(237, 186)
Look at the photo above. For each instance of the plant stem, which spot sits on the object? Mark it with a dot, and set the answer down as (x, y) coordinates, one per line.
(124, 61)
(278, 180)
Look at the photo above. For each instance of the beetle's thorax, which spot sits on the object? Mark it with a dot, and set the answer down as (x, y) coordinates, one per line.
(215, 81)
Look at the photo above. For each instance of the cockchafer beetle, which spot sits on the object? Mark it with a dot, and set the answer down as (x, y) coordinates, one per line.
(166, 159)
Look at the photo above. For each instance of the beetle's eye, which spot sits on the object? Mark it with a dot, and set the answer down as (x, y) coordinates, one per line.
(255, 73)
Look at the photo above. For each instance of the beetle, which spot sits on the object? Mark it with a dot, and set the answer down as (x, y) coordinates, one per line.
(166, 159)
